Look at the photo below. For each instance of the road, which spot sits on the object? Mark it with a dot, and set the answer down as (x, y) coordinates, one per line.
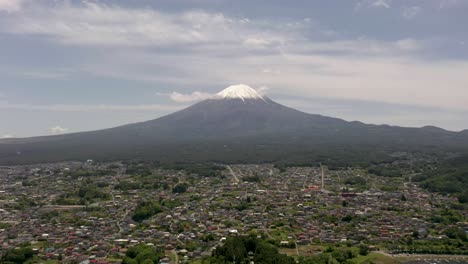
(176, 256)
(120, 172)
(267, 232)
(121, 220)
(234, 176)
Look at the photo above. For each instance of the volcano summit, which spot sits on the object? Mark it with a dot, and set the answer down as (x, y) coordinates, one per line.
(240, 91)
(236, 125)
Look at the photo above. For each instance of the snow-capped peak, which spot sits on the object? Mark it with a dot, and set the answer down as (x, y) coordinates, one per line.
(240, 91)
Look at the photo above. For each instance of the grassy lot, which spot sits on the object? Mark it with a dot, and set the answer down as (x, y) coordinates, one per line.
(303, 250)
(376, 258)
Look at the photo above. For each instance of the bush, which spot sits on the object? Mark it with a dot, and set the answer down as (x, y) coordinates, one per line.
(463, 198)
(252, 179)
(180, 188)
(456, 233)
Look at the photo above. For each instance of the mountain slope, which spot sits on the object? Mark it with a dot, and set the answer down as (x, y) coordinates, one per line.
(237, 124)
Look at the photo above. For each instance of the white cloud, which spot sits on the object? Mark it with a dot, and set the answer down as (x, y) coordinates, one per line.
(372, 4)
(411, 12)
(48, 75)
(381, 3)
(211, 48)
(93, 24)
(362, 46)
(445, 4)
(6, 136)
(58, 130)
(260, 42)
(10, 6)
(408, 44)
(263, 90)
(187, 98)
(199, 96)
(363, 69)
(390, 79)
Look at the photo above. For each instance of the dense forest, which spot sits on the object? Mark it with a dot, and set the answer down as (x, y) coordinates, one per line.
(449, 177)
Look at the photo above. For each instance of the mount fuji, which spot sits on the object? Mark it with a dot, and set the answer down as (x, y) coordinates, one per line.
(238, 124)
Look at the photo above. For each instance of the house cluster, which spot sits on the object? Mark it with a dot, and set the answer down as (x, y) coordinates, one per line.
(48, 207)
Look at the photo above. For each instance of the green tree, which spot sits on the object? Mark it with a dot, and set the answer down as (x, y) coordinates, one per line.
(20, 255)
(363, 250)
(145, 210)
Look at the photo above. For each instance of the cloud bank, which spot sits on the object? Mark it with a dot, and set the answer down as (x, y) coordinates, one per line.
(10, 6)
(210, 48)
(91, 23)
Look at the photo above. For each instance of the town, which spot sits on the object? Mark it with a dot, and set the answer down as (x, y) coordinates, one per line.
(92, 212)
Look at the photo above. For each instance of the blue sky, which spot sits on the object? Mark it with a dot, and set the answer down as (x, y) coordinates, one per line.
(69, 66)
